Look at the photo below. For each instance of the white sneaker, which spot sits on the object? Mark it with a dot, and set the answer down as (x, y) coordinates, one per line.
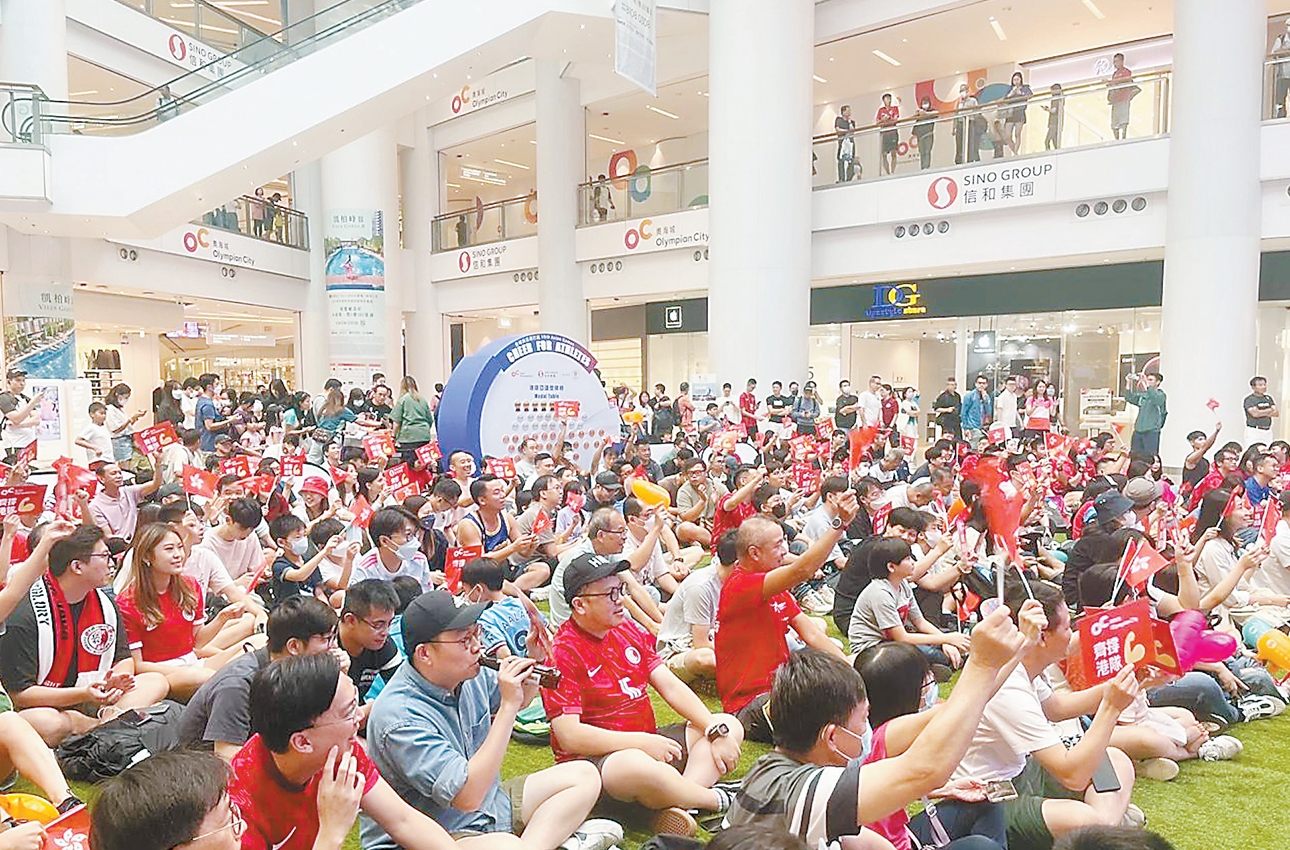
(595, 834)
(1134, 817)
(540, 594)
(1159, 769)
(1257, 706)
(1222, 748)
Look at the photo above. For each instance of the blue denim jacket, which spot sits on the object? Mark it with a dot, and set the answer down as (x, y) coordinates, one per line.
(421, 737)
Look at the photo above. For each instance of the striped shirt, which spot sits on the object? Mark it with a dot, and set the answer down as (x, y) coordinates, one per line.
(816, 803)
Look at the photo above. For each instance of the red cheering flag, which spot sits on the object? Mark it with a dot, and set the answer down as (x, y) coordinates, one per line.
(397, 477)
(260, 485)
(1055, 442)
(542, 523)
(429, 454)
(154, 439)
(501, 467)
(1140, 563)
(1002, 511)
(453, 561)
(239, 465)
(540, 644)
(70, 831)
(363, 512)
(1271, 518)
(997, 434)
(858, 442)
(908, 444)
(1237, 500)
(379, 445)
(293, 466)
(70, 479)
(27, 455)
(1212, 404)
(879, 519)
(199, 482)
(824, 429)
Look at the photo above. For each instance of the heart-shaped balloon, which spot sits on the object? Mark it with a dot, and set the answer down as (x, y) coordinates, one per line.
(1197, 645)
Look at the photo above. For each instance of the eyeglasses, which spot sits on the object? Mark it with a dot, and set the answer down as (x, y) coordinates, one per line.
(236, 823)
(614, 594)
(354, 714)
(382, 626)
(474, 634)
(107, 555)
(622, 530)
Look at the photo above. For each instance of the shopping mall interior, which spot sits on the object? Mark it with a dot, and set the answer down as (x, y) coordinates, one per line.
(218, 185)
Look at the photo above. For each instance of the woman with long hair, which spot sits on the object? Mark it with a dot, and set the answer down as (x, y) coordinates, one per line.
(413, 420)
(333, 417)
(121, 424)
(164, 615)
(168, 409)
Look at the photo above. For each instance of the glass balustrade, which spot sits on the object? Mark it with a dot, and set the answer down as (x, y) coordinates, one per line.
(21, 108)
(484, 223)
(201, 20)
(1077, 117)
(221, 74)
(260, 218)
(648, 191)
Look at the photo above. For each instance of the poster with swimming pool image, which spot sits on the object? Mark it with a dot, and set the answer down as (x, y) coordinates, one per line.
(39, 328)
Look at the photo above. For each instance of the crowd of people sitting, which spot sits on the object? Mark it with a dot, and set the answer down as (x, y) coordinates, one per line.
(338, 643)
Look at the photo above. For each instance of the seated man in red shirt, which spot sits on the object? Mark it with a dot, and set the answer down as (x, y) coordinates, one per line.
(303, 777)
(601, 710)
(734, 508)
(756, 610)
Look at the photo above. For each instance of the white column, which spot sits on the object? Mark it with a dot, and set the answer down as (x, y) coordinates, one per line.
(1212, 241)
(426, 355)
(759, 180)
(312, 355)
(560, 147)
(33, 44)
(361, 179)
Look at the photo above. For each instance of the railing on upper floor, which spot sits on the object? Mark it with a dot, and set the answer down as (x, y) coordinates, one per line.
(220, 75)
(1078, 116)
(260, 218)
(21, 108)
(484, 223)
(648, 191)
(205, 22)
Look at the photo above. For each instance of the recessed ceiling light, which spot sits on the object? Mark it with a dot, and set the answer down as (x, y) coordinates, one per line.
(1096, 12)
(818, 78)
(662, 112)
(606, 139)
(998, 30)
(884, 57)
(703, 94)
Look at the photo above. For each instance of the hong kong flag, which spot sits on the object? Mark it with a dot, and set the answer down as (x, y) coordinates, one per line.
(199, 482)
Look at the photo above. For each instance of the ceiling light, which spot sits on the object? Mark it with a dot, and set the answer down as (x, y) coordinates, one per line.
(818, 78)
(532, 141)
(998, 30)
(1092, 8)
(511, 164)
(85, 93)
(662, 112)
(703, 94)
(453, 185)
(606, 139)
(884, 57)
(273, 21)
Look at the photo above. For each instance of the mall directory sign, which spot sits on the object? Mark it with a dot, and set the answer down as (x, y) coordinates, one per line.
(520, 387)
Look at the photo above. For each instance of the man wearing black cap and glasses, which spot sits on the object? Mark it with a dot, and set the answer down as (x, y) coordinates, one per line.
(21, 415)
(602, 712)
(431, 736)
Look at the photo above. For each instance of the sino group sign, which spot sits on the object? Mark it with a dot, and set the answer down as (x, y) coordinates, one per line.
(982, 188)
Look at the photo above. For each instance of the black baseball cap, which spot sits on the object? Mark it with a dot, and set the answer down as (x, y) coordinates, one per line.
(609, 480)
(585, 569)
(435, 612)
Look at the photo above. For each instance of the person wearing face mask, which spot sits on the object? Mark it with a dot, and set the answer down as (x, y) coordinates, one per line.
(292, 574)
(206, 418)
(397, 551)
(504, 625)
(816, 782)
(902, 693)
(167, 407)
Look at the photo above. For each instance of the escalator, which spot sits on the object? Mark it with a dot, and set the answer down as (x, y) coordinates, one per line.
(134, 167)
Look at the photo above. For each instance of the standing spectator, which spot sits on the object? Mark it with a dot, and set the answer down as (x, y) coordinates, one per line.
(869, 404)
(412, 420)
(1056, 109)
(1006, 406)
(1122, 91)
(167, 104)
(207, 419)
(96, 439)
(947, 408)
(600, 195)
(959, 128)
(889, 407)
(748, 408)
(908, 419)
(1260, 410)
(1152, 412)
(121, 424)
(259, 220)
(845, 128)
(1015, 120)
(976, 123)
(977, 411)
(846, 406)
(167, 409)
(887, 118)
(1281, 71)
(807, 409)
(925, 132)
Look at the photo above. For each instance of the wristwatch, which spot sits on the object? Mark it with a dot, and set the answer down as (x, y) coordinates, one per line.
(836, 522)
(716, 730)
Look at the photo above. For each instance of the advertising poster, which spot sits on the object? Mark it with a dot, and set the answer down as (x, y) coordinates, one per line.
(354, 269)
(511, 389)
(51, 418)
(39, 327)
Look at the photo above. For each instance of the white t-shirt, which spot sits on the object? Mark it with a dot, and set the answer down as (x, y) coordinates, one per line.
(370, 566)
(101, 439)
(1274, 573)
(1005, 409)
(188, 407)
(1216, 560)
(1012, 727)
(694, 604)
(654, 567)
(870, 410)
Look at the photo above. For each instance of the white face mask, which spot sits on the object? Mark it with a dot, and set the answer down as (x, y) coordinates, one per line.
(931, 694)
(300, 545)
(409, 550)
(1131, 521)
(176, 394)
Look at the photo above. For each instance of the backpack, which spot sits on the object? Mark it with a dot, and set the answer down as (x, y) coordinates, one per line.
(120, 743)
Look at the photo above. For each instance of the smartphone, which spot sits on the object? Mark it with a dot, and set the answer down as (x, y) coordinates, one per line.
(1000, 790)
(1104, 778)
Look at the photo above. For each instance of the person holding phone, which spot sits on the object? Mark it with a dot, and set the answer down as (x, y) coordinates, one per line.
(19, 415)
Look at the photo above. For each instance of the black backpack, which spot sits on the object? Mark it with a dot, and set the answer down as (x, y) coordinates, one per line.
(120, 743)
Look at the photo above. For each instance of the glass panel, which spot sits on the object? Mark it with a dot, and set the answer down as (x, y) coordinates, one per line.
(261, 218)
(663, 190)
(674, 358)
(509, 219)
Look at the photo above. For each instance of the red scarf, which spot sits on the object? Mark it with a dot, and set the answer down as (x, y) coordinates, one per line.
(91, 639)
